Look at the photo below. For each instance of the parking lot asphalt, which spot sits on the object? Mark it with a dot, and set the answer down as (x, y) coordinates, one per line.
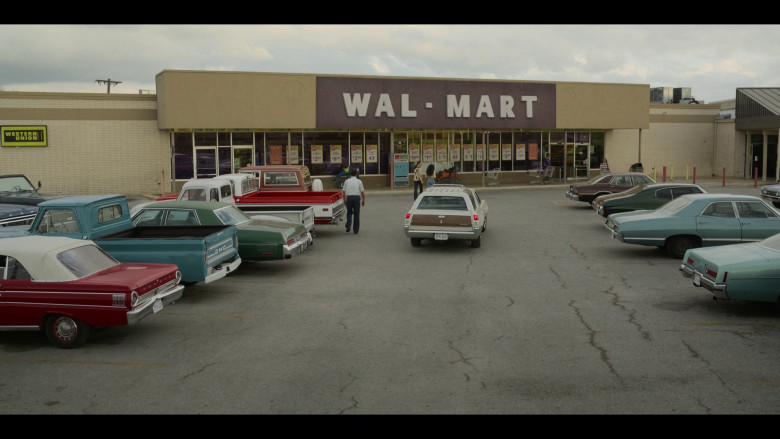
(549, 316)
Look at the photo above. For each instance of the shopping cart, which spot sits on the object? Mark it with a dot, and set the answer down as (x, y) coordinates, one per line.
(540, 176)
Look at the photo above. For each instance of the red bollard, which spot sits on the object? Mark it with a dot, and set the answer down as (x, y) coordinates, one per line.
(724, 176)
(694, 175)
(664, 175)
(755, 176)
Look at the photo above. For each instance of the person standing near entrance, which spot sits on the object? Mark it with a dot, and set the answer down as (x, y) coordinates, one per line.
(418, 179)
(430, 178)
(546, 163)
(355, 196)
(604, 166)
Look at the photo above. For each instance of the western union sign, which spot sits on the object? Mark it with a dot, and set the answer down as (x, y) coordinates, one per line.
(25, 135)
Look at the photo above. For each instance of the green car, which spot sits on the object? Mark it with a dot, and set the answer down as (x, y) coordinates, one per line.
(643, 197)
(697, 220)
(748, 271)
(258, 239)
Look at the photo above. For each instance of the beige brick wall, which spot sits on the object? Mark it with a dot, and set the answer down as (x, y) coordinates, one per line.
(86, 156)
(679, 138)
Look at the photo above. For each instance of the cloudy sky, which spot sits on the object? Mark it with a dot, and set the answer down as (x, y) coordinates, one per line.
(712, 60)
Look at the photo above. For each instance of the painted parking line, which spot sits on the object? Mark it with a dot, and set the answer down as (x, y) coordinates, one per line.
(102, 363)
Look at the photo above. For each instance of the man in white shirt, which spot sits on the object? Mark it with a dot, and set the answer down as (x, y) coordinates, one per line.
(355, 196)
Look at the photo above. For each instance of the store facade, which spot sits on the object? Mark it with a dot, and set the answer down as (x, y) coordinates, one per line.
(204, 123)
(382, 125)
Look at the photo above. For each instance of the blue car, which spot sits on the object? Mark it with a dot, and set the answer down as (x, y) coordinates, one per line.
(749, 271)
(17, 214)
(697, 220)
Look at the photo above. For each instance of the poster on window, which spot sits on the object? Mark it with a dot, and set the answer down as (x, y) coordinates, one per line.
(372, 154)
(520, 151)
(316, 154)
(493, 151)
(533, 151)
(468, 152)
(480, 152)
(441, 153)
(335, 154)
(357, 153)
(506, 151)
(455, 153)
(427, 151)
(292, 155)
(275, 155)
(414, 153)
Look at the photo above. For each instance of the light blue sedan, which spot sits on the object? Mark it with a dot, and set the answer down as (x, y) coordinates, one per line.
(697, 220)
(748, 271)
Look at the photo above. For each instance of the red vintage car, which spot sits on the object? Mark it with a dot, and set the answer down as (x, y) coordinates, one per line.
(66, 286)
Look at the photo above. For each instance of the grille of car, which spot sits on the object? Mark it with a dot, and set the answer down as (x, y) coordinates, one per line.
(25, 220)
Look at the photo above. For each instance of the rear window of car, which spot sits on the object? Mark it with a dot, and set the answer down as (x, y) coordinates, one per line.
(442, 203)
(676, 205)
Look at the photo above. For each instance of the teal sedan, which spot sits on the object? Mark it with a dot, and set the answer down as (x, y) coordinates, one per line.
(258, 239)
(643, 197)
(748, 271)
(697, 220)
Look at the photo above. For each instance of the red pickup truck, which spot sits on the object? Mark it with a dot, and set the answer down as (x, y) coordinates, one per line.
(244, 190)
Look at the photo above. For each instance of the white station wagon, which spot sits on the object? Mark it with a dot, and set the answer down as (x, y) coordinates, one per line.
(447, 212)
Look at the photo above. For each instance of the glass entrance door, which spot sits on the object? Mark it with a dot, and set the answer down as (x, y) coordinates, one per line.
(581, 162)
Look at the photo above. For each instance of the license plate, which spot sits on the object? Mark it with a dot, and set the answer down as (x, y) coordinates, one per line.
(158, 305)
(697, 279)
(440, 236)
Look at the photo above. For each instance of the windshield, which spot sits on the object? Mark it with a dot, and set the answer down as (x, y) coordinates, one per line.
(86, 260)
(231, 215)
(676, 205)
(15, 183)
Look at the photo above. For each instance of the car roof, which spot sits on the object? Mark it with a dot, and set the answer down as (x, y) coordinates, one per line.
(667, 184)
(448, 189)
(80, 200)
(186, 204)
(33, 251)
(721, 197)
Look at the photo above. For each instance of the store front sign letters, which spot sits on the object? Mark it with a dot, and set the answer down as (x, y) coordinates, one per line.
(432, 104)
(357, 105)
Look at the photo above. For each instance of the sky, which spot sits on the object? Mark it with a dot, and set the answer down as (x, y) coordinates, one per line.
(712, 60)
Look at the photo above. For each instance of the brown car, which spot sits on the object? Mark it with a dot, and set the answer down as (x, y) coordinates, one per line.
(606, 184)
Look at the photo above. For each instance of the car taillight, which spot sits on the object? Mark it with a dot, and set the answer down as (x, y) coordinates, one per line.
(710, 272)
(476, 217)
(690, 261)
(408, 215)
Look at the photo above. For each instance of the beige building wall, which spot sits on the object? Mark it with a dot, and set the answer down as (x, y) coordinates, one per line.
(679, 138)
(601, 106)
(97, 144)
(235, 100)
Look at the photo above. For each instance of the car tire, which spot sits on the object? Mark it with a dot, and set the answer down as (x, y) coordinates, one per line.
(476, 243)
(676, 246)
(66, 332)
(415, 242)
(484, 225)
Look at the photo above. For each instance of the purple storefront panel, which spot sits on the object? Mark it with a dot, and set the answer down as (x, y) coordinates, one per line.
(367, 103)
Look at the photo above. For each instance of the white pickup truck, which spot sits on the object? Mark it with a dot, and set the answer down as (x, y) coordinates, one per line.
(228, 187)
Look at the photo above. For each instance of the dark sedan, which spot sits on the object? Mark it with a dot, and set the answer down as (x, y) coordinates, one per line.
(643, 197)
(606, 184)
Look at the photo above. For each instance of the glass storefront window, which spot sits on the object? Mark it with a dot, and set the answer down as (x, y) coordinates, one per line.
(325, 152)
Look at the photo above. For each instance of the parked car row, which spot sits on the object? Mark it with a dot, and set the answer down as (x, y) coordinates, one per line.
(728, 244)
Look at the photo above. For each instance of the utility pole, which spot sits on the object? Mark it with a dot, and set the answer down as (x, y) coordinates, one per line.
(108, 83)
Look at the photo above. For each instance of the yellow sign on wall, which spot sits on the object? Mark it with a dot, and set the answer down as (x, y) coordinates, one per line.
(23, 135)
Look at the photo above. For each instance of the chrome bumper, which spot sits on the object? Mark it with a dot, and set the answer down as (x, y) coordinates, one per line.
(297, 247)
(166, 298)
(222, 270)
